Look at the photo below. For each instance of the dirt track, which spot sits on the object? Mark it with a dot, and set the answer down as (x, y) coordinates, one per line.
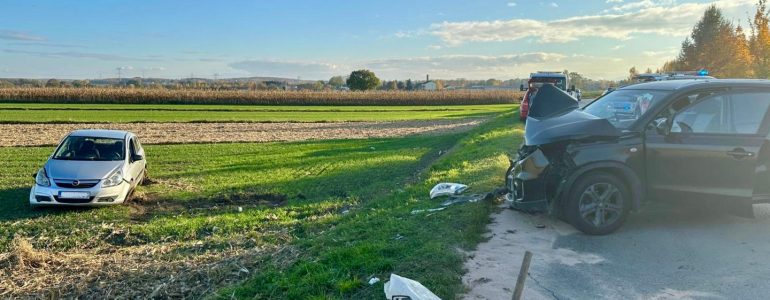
(161, 133)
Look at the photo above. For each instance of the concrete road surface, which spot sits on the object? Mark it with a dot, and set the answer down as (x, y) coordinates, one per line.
(665, 251)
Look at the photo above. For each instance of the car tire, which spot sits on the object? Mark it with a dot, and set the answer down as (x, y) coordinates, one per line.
(598, 203)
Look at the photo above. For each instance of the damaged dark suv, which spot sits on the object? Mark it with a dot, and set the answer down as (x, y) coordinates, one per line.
(701, 140)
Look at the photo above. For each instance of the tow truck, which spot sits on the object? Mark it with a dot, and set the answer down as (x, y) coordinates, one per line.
(537, 80)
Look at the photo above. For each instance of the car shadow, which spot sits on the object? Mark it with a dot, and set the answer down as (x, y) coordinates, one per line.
(16, 206)
(691, 215)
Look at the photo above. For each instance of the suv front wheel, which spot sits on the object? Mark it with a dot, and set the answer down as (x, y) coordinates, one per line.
(598, 203)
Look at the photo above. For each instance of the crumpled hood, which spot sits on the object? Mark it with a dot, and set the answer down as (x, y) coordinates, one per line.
(555, 116)
(75, 169)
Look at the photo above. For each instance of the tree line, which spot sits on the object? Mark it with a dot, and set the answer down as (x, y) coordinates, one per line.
(724, 48)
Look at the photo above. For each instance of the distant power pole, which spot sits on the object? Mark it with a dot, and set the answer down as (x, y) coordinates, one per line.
(216, 76)
(119, 74)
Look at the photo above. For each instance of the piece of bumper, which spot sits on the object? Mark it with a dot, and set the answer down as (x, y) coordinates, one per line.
(98, 196)
(526, 182)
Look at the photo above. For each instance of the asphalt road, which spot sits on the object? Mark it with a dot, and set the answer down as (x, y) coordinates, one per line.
(665, 251)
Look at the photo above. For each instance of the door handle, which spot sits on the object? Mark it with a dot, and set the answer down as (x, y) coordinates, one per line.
(739, 153)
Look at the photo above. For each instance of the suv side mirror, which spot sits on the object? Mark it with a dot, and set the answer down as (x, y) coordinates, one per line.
(137, 157)
(572, 88)
(522, 88)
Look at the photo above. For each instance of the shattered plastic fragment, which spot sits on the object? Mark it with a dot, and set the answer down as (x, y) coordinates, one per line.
(373, 280)
(447, 189)
(401, 287)
(462, 199)
(419, 211)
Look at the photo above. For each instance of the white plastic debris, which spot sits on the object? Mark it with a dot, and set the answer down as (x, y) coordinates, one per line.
(447, 189)
(374, 280)
(419, 211)
(240, 209)
(401, 287)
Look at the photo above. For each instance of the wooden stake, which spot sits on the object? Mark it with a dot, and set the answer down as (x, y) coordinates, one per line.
(522, 275)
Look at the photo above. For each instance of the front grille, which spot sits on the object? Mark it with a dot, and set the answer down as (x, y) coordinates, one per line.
(72, 201)
(70, 184)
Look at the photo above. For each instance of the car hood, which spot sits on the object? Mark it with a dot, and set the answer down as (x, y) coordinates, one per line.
(555, 117)
(78, 169)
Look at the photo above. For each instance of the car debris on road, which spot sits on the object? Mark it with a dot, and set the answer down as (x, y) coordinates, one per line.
(447, 189)
(402, 288)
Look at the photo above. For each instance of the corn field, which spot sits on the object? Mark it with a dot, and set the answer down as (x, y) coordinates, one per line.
(164, 96)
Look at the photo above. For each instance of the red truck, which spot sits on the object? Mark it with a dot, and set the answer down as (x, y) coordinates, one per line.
(536, 80)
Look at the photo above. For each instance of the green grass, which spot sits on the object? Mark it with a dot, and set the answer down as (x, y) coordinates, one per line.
(347, 208)
(383, 237)
(118, 113)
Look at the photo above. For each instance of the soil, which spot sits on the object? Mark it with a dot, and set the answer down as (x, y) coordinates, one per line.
(174, 133)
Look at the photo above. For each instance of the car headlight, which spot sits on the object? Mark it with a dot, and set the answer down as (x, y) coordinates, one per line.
(114, 179)
(41, 178)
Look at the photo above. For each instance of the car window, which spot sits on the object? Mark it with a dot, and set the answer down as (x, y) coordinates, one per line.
(707, 116)
(748, 110)
(740, 113)
(623, 107)
(132, 147)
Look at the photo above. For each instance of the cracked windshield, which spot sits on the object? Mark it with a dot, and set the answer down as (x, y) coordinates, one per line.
(498, 149)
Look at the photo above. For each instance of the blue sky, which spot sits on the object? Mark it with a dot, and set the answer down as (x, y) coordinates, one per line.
(318, 39)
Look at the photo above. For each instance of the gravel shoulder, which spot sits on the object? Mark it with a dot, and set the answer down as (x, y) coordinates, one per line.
(174, 133)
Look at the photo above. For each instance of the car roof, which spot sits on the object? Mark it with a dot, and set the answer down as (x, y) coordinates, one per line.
(102, 133)
(548, 75)
(680, 84)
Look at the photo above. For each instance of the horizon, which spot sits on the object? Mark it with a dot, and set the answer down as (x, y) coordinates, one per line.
(314, 41)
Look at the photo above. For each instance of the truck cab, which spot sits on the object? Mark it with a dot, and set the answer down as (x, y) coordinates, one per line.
(537, 80)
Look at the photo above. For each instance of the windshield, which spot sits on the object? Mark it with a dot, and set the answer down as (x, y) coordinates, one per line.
(537, 82)
(90, 148)
(623, 107)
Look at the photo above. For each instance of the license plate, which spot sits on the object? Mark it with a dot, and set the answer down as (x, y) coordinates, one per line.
(74, 195)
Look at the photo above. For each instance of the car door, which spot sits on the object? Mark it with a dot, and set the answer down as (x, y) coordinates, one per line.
(141, 164)
(134, 166)
(711, 149)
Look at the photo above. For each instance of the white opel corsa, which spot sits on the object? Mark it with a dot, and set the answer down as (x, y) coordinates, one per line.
(91, 168)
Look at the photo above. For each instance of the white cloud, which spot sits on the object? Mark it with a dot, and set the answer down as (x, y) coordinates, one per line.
(78, 54)
(20, 36)
(290, 69)
(665, 20)
(511, 4)
(670, 52)
(553, 4)
(614, 1)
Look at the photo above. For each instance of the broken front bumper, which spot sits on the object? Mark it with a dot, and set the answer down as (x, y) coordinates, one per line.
(526, 182)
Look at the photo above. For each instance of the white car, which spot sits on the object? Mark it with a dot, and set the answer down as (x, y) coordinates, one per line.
(91, 168)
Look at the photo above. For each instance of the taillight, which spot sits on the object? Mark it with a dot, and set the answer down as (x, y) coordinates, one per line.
(525, 101)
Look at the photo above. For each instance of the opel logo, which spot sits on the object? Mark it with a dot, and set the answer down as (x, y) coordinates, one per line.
(76, 183)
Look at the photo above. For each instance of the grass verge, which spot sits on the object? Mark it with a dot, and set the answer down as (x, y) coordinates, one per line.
(380, 236)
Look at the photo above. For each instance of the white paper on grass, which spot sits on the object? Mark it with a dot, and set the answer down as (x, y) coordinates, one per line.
(399, 287)
(447, 189)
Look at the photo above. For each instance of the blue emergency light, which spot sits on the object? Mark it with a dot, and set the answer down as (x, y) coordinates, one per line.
(703, 72)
